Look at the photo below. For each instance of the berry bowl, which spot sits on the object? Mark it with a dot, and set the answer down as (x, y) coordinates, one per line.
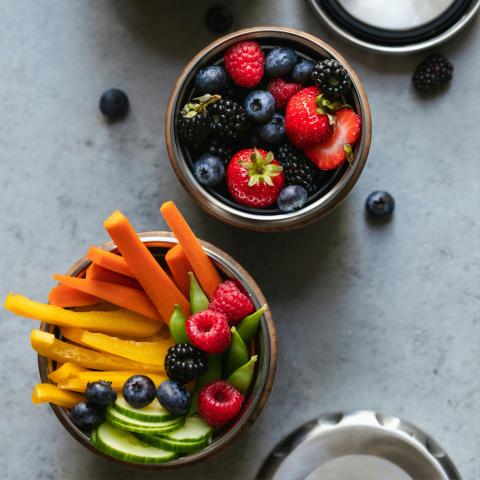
(268, 128)
(262, 345)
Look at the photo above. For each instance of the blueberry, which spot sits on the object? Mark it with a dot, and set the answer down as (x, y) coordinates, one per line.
(273, 132)
(209, 170)
(87, 416)
(219, 18)
(280, 61)
(259, 106)
(292, 198)
(302, 71)
(380, 204)
(211, 79)
(139, 391)
(101, 393)
(114, 104)
(173, 397)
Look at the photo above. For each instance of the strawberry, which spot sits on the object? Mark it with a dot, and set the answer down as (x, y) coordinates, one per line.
(308, 118)
(282, 91)
(254, 178)
(333, 152)
(244, 63)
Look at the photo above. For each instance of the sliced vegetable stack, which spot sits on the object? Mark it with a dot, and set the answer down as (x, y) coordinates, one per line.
(149, 361)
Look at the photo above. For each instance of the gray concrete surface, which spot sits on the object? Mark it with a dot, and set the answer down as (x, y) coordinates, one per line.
(380, 317)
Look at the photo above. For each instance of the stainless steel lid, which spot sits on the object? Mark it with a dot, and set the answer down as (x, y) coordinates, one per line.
(361, 445)
(399, 26)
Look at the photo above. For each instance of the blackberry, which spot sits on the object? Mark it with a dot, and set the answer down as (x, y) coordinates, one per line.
(432, 73)
(185, 362)
(298, 170)
(194, 121)
(333, 80)
(220, 150)
(228, 120)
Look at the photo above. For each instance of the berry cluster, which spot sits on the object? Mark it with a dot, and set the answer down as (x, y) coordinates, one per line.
(269, 125)
(212, 336)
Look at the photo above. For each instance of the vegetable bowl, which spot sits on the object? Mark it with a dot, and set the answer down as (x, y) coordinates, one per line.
(152, 435)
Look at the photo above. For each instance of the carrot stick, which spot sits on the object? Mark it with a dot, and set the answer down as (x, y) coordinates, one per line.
(95, 272)
(63, 296)
(179, 266)
(203, 268)
(125, 297)
(109, 260)
(159, 287)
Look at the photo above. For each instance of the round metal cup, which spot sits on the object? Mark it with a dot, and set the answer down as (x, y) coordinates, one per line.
(364, 445)
(402, 26)
(343, 180)
(265, 346)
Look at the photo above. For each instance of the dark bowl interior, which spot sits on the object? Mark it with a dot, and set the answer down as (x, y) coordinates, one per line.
(188, 92)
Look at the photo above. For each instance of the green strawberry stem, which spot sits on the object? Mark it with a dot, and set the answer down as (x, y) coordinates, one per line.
(199, 104)
(260, 168)
(326, 107)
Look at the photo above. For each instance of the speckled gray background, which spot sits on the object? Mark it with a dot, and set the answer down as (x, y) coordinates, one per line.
(368, 317)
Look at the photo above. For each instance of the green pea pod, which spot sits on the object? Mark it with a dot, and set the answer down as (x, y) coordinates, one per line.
(214, 372)
(249, 325)
(198, 300)
(242, 377)
(237, 354)
(177, 326)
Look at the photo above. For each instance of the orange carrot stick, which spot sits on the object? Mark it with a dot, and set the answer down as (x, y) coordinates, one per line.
(63, 296)
(179, 266)
(159, 287)
(109, 260)
(95, 272)
(203, 268)
(129, 298)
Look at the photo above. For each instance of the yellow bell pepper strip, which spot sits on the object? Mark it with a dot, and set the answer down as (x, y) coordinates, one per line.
(46, 392)
(117, 379)
(63, 373)
(146, 352)
(116, 322)
(47, 345)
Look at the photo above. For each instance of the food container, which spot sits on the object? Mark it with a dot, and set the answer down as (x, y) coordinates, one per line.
(401, 26)
(340, 183)
(264, 346)
(360, 445)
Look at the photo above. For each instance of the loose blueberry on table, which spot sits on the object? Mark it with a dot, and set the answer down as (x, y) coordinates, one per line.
(275, 119)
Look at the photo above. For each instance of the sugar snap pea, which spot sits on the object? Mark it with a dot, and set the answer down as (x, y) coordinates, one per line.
(214, 372)
(242, 377)
(237, 354)
(198, 299)
(177, 326)
(249, 325)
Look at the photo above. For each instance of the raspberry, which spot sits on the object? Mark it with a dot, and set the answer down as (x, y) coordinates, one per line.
(229, 300)
(219, 402)
(209, 331)
(244, 63)
(282, 91)
(184, 363)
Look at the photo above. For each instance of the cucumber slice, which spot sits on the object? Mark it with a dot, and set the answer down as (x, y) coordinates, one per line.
(151, 413)
(194, 430)
(173, 446)
(125, 446)
(139, 426)
(194, 435)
